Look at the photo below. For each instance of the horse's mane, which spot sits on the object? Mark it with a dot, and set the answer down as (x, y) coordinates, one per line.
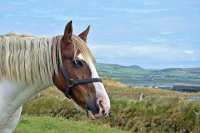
(30, 59)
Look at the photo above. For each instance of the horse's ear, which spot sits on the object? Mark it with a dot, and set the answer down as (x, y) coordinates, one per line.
(68, 32)
(84, 34)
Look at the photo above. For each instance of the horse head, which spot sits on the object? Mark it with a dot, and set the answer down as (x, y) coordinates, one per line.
(77, 76)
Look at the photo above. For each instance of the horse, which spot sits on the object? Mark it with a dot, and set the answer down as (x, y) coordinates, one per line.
(30, 64)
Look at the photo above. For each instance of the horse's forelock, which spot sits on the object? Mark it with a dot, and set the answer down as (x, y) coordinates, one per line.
(83, 48)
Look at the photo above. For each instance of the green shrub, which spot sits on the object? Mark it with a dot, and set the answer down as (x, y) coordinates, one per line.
(51, 106)
(159, 111)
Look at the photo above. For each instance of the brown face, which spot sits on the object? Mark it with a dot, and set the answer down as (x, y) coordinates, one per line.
(83, 95)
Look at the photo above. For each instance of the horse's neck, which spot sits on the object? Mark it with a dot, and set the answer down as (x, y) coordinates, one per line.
(13, 95)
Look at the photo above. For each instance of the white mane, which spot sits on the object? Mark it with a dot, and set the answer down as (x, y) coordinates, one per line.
(30, 59)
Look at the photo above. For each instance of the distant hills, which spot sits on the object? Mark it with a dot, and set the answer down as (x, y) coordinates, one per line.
(136, 75)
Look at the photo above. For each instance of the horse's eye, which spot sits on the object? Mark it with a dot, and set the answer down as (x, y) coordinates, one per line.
(78, 63)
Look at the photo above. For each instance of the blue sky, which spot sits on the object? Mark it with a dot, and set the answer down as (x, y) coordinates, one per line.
(149, 33)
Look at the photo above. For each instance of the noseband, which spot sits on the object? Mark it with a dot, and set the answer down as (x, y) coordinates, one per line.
(71, 82)
(74, 82)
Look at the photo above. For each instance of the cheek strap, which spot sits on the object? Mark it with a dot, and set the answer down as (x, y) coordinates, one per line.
(72, 82)
(75, 82)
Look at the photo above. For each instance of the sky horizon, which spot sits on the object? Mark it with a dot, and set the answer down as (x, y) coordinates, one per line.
(150, 33)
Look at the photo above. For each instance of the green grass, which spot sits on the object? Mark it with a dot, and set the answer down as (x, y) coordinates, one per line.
(159, 111)
(60, 125)
(135, 75)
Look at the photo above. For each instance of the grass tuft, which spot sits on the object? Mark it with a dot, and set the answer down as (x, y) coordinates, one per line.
(158, 110)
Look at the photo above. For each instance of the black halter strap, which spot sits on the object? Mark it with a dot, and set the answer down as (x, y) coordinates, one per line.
(72, 82)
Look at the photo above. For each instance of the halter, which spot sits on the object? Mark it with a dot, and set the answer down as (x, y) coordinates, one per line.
(73, 82)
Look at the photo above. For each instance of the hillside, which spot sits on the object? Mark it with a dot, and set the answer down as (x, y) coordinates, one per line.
(135, 75)
(157, 111)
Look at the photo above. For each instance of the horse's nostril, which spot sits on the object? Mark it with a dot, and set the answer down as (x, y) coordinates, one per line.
(101, 104)
(94, 108)
(109, 114)
(103, 112)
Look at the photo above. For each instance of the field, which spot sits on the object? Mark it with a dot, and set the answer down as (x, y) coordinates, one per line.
(133, 110)
(135, 75)
(60, 125)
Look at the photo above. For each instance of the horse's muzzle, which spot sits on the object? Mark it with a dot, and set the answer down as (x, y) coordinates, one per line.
(98, 110)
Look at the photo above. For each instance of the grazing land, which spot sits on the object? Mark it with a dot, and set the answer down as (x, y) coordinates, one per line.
(30, 124)
(133, 110)
(138, 76)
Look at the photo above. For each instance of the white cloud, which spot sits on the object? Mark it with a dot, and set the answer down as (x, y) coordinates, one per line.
(53, 15)
(166, 32)
(189, 52)
(75, 18)
(145, 52)
(151, 3)
(131, 10)
(17, 3)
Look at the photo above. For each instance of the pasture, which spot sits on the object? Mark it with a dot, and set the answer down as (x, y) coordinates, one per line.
(60, 125)
(158, 111)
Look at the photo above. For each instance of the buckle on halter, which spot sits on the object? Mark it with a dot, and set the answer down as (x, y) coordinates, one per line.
(71, 83)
